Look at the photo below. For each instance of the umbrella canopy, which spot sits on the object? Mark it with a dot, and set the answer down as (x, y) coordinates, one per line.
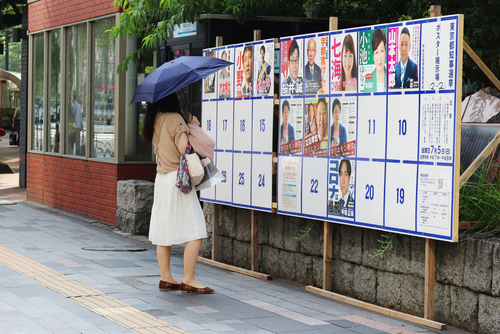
(174, 75)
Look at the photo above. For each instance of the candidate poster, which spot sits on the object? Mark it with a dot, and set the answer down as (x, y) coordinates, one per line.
(263, 69)
(341, 176)
(225, 75)
(292, 82)
(209, 83)
(316, 126)
(372, 60)
(244, 70)
(316, 65)
(403, 57)
(290, 135)
(343, 65)
(343, 126)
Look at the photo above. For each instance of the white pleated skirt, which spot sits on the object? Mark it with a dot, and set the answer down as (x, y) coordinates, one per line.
(176, 218)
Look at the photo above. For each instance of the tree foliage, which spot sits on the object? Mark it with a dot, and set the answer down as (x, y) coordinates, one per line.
(151, 19)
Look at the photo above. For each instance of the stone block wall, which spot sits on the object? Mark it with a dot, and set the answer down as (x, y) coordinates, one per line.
(134, 200)
(467, 291)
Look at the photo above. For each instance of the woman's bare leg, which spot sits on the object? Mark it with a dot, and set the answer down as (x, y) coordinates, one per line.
(163, 254)
(191, 252)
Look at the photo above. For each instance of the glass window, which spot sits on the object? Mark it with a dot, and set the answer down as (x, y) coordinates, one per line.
(136, 148)
(54, 89)
(38, 54)
(76, 83)
(104, 90)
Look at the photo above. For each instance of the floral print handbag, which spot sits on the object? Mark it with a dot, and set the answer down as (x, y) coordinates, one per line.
(182, 182)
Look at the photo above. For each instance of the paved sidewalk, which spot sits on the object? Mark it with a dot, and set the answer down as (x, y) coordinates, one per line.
(61, 273)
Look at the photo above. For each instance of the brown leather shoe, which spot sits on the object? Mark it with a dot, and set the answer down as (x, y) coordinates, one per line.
(165, 286)
(188, 288)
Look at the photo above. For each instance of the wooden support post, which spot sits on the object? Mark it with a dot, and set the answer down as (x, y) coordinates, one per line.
(480, 158)
(435, 10)
(430, 278)
(327, 233)
(482, 65)
(327, 256)
(215, 217)
(255, 240)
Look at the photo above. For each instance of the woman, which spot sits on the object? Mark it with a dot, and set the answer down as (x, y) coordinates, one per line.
(176, 218)
(348, 65)
(378, 77)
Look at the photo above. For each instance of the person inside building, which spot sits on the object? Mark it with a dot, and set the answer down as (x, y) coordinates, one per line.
(176, 217)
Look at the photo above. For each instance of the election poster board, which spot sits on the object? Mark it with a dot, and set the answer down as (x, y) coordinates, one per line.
(375, 143)
(238, 115)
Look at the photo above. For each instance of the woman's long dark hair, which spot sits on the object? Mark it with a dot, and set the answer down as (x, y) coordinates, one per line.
(169, 103)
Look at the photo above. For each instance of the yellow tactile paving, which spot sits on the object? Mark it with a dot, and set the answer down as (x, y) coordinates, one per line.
(92, 299)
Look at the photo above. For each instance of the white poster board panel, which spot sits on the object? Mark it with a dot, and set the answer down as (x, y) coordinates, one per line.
(437, 127)
(264, 69)
(224, 189)
(434, 203)
(402, 127)
(262, 181)
(242, 125)
(371, 126)
(400, 196)
(314, 186)
(439, 54)
(209, 119)
(242, 178)
(289, 184)
(370, 192)
(263, 125)
(225, 125)
(210, 82)
(208, 194)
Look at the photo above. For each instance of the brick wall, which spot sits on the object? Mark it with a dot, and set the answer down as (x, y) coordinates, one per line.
(83, 187)
(45, 14)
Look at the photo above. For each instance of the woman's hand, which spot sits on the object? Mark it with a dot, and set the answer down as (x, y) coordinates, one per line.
(193, 120)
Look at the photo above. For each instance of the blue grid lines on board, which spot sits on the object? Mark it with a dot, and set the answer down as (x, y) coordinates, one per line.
(438, 91)
(260, 208)
(455, 122)
(418, 138)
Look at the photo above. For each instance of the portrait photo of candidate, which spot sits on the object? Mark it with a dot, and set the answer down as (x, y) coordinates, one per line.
(312, 72)
(247, 70)
(224, 73)
(310, 113)
(405, 69)
(263, 72)
(287, 133)
(293, 81)
(348, 64)
(338, 133)
(345, 170)
(376, 82)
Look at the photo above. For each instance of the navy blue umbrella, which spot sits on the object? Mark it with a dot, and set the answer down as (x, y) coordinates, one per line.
(176, 74)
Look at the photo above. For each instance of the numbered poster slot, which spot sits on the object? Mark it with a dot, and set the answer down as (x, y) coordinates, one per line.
(370, 192)
(262, 181)
(224, 189)
(263, 125)
(341, 190)
(402, 130)
(209, 119)
(225, 125)
(400, 196)
(314, 187)
(371, 126)
(242, 178)
(243, 125)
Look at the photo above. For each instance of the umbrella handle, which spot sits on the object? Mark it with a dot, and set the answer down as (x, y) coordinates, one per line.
(187, 102)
